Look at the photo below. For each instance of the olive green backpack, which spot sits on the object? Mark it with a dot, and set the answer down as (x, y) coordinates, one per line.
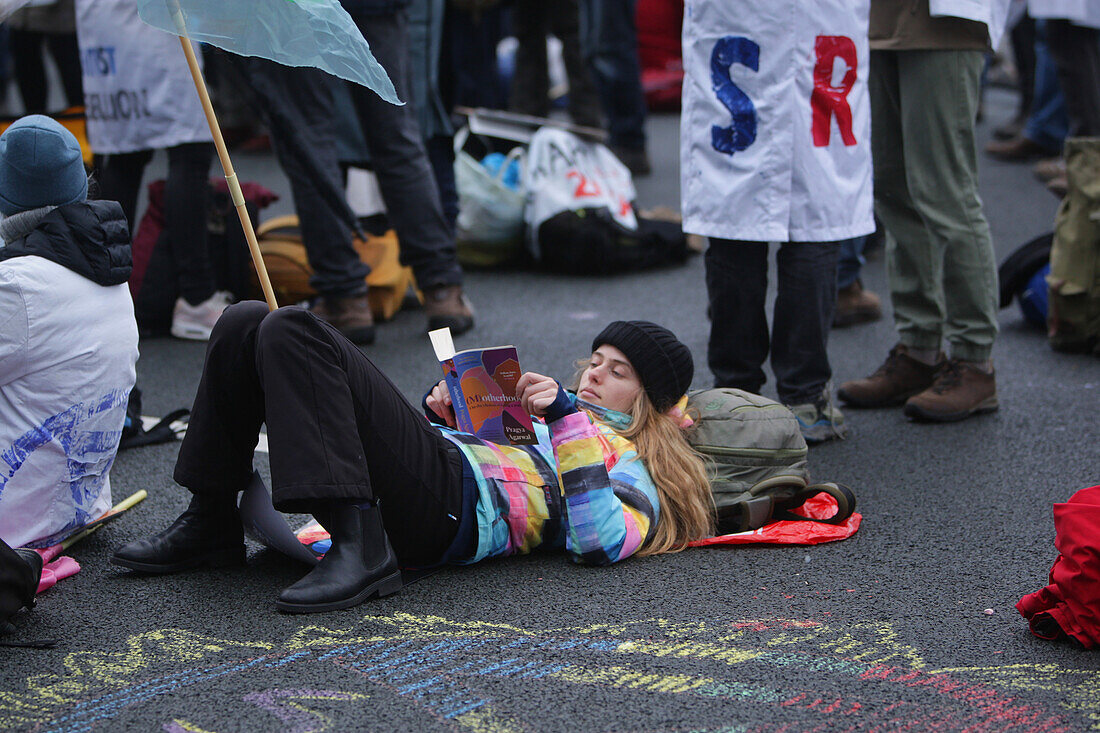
(756, 456)
(1073, 314)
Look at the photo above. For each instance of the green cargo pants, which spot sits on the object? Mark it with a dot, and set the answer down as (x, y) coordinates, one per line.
(943, 277)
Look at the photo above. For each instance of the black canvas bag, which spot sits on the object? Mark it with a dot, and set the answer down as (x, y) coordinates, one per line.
(19, 574)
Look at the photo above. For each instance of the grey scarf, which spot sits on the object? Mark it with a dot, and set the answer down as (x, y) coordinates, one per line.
(20, 225)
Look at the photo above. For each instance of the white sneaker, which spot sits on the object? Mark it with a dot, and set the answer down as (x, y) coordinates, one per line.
(195, 322)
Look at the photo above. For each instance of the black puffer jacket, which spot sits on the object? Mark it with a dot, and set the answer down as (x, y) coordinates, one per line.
(373, 7)
(91, 238)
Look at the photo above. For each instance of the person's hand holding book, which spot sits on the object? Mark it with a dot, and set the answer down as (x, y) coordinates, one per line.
(439, 402)
(536, 392)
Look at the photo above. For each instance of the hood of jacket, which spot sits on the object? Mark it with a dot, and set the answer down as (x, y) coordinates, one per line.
(91, 238)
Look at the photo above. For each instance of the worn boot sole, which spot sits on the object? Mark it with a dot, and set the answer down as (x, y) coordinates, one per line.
(386, 586)
(212, 559)
(916, 412)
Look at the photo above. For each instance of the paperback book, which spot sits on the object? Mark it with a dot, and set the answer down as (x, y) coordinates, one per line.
(482, 384)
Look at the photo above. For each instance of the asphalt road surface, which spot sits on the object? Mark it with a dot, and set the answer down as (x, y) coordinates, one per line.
(907, 625)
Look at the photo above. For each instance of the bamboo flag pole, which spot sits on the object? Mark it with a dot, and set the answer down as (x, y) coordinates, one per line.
(227, 165)
(118, 508)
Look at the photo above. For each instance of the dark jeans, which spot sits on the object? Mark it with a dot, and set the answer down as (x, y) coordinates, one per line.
(30, 70)
(737, 283)
(470, 44)
(441, 154)
(400, 160)
(338, 429)
(1047, 124)
(1024, 39)
(299, 106)
(850, 261)
(609, 37)
(1076, 51)
(186, 199)
(532, 20)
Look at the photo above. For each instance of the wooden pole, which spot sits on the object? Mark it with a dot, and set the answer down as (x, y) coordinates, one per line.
(116, 509)
(227, 167)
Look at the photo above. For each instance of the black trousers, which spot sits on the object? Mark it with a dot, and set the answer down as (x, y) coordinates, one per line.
(338, 429)
(400, 160)
(1076, 52)
(30, 69)
(298, 104)
(532, 20)
(737, 284)
(186, 199)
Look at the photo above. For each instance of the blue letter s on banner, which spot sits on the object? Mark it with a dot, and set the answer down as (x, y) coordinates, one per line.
(742, 133)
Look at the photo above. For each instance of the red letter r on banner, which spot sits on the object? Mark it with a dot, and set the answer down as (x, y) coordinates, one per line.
(828, 100)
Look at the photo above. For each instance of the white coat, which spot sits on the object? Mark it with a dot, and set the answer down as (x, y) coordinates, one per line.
(764, 154)
(138, 92)
(67, 353)
(994, 13)
(1080, 12)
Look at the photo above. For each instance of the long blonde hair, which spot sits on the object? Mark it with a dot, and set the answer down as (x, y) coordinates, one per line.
(683, 485)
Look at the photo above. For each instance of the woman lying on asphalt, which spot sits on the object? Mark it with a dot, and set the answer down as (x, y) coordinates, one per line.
(394, 489)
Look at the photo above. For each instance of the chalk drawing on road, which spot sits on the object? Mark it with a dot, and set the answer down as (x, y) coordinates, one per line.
(182, 726)
(749, 675)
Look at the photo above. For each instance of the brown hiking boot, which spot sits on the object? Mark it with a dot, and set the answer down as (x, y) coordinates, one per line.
(1017, 149)
(960, 390)
(447, 307)
(350, 315)
(856, 305)
(899, 378)
(1048, 169)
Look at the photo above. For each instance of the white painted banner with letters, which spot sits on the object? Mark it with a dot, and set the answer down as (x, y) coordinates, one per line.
(776, 125)
(138, 93)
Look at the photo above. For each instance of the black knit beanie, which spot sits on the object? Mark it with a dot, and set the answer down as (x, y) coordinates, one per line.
(664, 365)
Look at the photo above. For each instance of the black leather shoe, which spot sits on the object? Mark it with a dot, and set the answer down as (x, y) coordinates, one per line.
(360, 564)
(209, 533)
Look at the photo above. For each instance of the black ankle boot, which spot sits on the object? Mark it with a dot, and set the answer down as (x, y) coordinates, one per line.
(360, 563)
(208, 533)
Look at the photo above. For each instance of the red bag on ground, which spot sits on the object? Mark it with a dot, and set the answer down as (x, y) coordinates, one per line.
(794, 532)
(1072, 600)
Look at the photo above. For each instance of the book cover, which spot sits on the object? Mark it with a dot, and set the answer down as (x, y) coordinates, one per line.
(482, 383)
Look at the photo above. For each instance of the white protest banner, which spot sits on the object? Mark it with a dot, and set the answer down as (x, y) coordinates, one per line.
(566, 173)
(776, 124)
(138, 94)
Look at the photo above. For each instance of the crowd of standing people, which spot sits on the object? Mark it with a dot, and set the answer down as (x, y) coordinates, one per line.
(809, 125)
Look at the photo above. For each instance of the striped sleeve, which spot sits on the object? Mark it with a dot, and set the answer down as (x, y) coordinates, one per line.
(610, 499)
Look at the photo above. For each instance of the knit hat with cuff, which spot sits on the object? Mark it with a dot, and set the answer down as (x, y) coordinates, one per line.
(664, 365)
(40, 165)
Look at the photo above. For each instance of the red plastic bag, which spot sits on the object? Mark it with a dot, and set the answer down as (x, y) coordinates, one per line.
(659, 23)
(1072, 600)
(794, 532)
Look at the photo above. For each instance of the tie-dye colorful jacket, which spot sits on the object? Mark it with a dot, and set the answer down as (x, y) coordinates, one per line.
(581, 488)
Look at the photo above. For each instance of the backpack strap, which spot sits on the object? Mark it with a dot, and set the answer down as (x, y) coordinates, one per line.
(162, 432)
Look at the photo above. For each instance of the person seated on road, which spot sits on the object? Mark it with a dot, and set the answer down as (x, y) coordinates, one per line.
(395, 490)
(68, 339)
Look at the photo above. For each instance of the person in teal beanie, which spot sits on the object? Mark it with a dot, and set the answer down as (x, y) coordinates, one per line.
(68, 340)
